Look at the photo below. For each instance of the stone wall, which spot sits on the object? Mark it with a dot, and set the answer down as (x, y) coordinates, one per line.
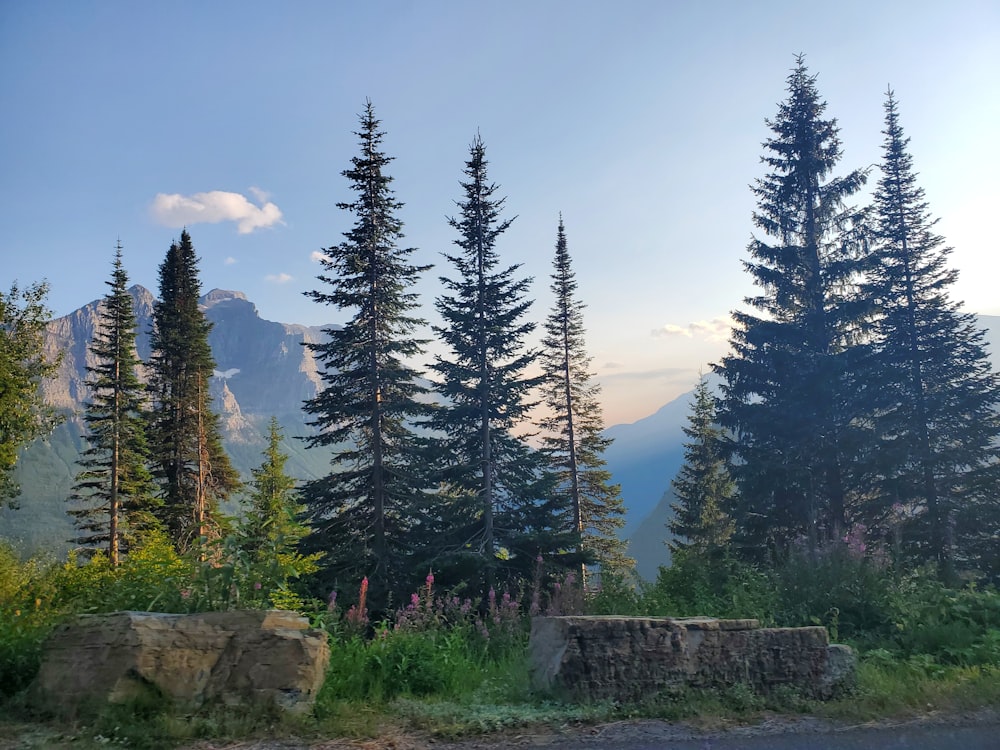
(240, 657)
(633, 658)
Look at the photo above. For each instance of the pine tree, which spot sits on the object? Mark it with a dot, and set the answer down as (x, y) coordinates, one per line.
(703, 486)
(939, 425)
(497, 513)
(188, 460)
(366, 512)
(24, 416)
(113, 494)
(271, 525)
(574, 445)
(791, 386)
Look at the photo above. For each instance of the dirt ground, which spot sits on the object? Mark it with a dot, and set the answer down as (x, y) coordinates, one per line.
(972, 730)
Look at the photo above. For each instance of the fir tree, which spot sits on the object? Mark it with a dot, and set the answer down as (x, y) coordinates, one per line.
(497, 513)
(703, 486)
(24, 415)
(271, 526)
(574, 444)
(365, 513)
(791, 386)
(114, 499)
(193, 470)
(938, 425)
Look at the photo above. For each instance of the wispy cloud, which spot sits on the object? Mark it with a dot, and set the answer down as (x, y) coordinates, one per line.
(176, 210)
(662, 373)
(278, 278)
(716, 329)
(230, 261)
(316, 256)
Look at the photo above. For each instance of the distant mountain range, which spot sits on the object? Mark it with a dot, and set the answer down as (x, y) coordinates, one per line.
(263, 370)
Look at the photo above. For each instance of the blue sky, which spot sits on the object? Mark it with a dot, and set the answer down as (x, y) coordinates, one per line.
(640, 120)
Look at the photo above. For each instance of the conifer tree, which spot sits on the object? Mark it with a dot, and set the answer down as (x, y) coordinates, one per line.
(573, 443)
(189, 463)
(114, 494)
(938, 424)
(365, 513)
(24, 415)
(791, 385)
(271, 525)
(497, 512)
(703, 486)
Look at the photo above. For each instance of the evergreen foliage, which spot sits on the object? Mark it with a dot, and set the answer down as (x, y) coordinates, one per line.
(113, 492)
(23, 365)
(704, 488)
(574, 445)
(497, 511)
(271, 524)
(794, 382)
(366, 512)
(188, 460)
(938, 424)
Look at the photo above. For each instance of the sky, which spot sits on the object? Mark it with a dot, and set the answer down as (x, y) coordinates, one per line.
(640, 121)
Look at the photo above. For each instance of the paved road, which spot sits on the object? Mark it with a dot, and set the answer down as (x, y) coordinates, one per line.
(916, 736)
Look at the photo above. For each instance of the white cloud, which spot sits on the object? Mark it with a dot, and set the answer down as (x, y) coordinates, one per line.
(230, 261)
(176, 210)
(316, 256)
(716, 329)
(278, 278)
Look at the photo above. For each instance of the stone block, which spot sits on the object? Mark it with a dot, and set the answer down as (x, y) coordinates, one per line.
(631, 658)
(238, 657)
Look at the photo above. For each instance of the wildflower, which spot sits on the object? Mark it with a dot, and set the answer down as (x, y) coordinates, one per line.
(256, 586)
(331, 602)
(430, 580)
(185, 593)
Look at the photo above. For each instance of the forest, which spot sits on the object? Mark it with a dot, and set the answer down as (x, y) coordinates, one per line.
(843, 473)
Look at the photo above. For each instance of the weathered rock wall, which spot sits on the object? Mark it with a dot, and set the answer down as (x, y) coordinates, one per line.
(240, 657)
(632, 658)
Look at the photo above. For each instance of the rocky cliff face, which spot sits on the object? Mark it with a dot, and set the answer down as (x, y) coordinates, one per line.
(262, 370)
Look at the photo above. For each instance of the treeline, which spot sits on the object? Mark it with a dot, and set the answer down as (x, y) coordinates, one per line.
(420, 482)
(857, 404)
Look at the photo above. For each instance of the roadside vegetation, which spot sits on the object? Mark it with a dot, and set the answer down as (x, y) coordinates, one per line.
(451, 667)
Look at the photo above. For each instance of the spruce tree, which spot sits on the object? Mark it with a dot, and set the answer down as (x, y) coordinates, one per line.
(497, 512)
(271, 526)
(113, 494)
(364, 514)
(704, 487)
(791, 385)
(938, 423)
(193, 471)
(572, 439)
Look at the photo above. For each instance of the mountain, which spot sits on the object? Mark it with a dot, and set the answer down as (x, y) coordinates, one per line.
(263, 370)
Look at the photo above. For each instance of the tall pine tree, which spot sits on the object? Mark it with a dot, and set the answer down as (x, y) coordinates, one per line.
(703, 486)
(364, 514)
(189, 463)
(114, 494)
(572, 439)
(497, 511)
(939, 424)
(792, 383)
